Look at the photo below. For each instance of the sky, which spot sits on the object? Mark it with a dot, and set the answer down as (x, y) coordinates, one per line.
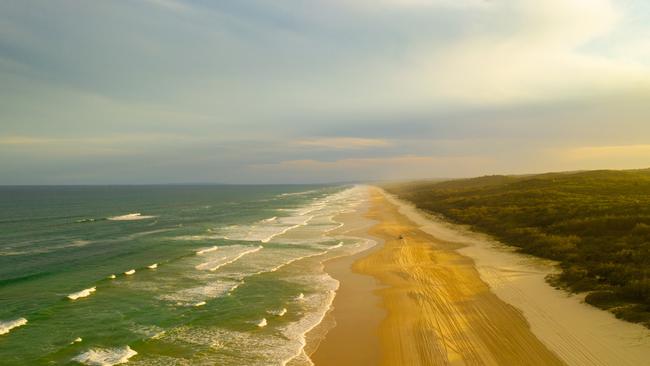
(308, 91)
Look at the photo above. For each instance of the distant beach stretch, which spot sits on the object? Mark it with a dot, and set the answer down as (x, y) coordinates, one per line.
(446, 296)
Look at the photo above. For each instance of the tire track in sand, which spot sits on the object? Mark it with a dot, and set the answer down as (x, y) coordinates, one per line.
(439, 310)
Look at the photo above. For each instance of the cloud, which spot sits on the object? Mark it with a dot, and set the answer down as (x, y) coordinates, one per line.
(344, 143)
(537, 55)
(610, 152)
(175, 5)
(392, 167)
(23, 140)
(335, 88)
(46, 148)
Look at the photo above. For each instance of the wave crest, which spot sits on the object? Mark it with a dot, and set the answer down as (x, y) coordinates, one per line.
(105, 356)
(7, 326)
(83, 293)
(130, 217)
(207, 250)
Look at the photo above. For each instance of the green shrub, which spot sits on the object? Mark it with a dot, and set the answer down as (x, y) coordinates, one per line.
(596, 224)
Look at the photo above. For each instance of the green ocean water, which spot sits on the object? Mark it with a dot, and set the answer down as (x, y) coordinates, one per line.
(225, 275)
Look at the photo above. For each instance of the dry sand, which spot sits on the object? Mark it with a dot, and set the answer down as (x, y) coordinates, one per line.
(577, 332)
(438, 310)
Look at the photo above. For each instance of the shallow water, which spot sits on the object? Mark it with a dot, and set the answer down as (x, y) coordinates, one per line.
(207, 266)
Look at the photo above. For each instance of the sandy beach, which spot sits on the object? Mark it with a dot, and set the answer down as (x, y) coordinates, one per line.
(578, 333)
(356, 312)
(428, 295)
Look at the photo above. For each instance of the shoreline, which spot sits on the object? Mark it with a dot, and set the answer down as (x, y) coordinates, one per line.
(415, 312)
(348, 333)
(437, 308)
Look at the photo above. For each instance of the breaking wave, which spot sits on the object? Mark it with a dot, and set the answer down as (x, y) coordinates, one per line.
(207, 250)
(83, 293)
(130, 217)
(105, 356)
(215, 265)
(7, 326)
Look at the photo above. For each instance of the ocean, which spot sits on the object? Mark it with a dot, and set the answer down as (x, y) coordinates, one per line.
(167, 275)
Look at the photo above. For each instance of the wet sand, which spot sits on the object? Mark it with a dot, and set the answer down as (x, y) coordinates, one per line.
(438, 311)
(352, 325)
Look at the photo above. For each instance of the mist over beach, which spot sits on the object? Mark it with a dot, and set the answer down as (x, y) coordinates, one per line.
(299, 183)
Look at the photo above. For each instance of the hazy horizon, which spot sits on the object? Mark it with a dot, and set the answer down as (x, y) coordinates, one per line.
(176, 91)
(318, 183)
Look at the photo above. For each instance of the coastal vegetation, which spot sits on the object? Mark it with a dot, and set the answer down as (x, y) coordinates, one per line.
(596, 224)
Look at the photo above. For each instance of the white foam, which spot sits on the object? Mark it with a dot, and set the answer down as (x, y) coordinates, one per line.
(153, 266)
(285, 345)
(215, 265)
(7, 326)
(297, 193)
(200, 303)
(280, 312)
(270, 219)
(262, 323)
(112, 277)
(340, 244)
(129, 272)
(83, 293)
(264, 231)
(207, 250)
(316, 306)
(198, 237)
(284, 231)
(195, 295)
(158, 335)
(233, 347)
(105, 356)
(85, 220)
(131, 217)
(77, 340)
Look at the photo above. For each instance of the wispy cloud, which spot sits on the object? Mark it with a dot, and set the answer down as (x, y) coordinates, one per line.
(91, 140)
(23, 140)
(336, 88)
(609, 152)
(344, 143)
(392, 167)
(175, 5)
